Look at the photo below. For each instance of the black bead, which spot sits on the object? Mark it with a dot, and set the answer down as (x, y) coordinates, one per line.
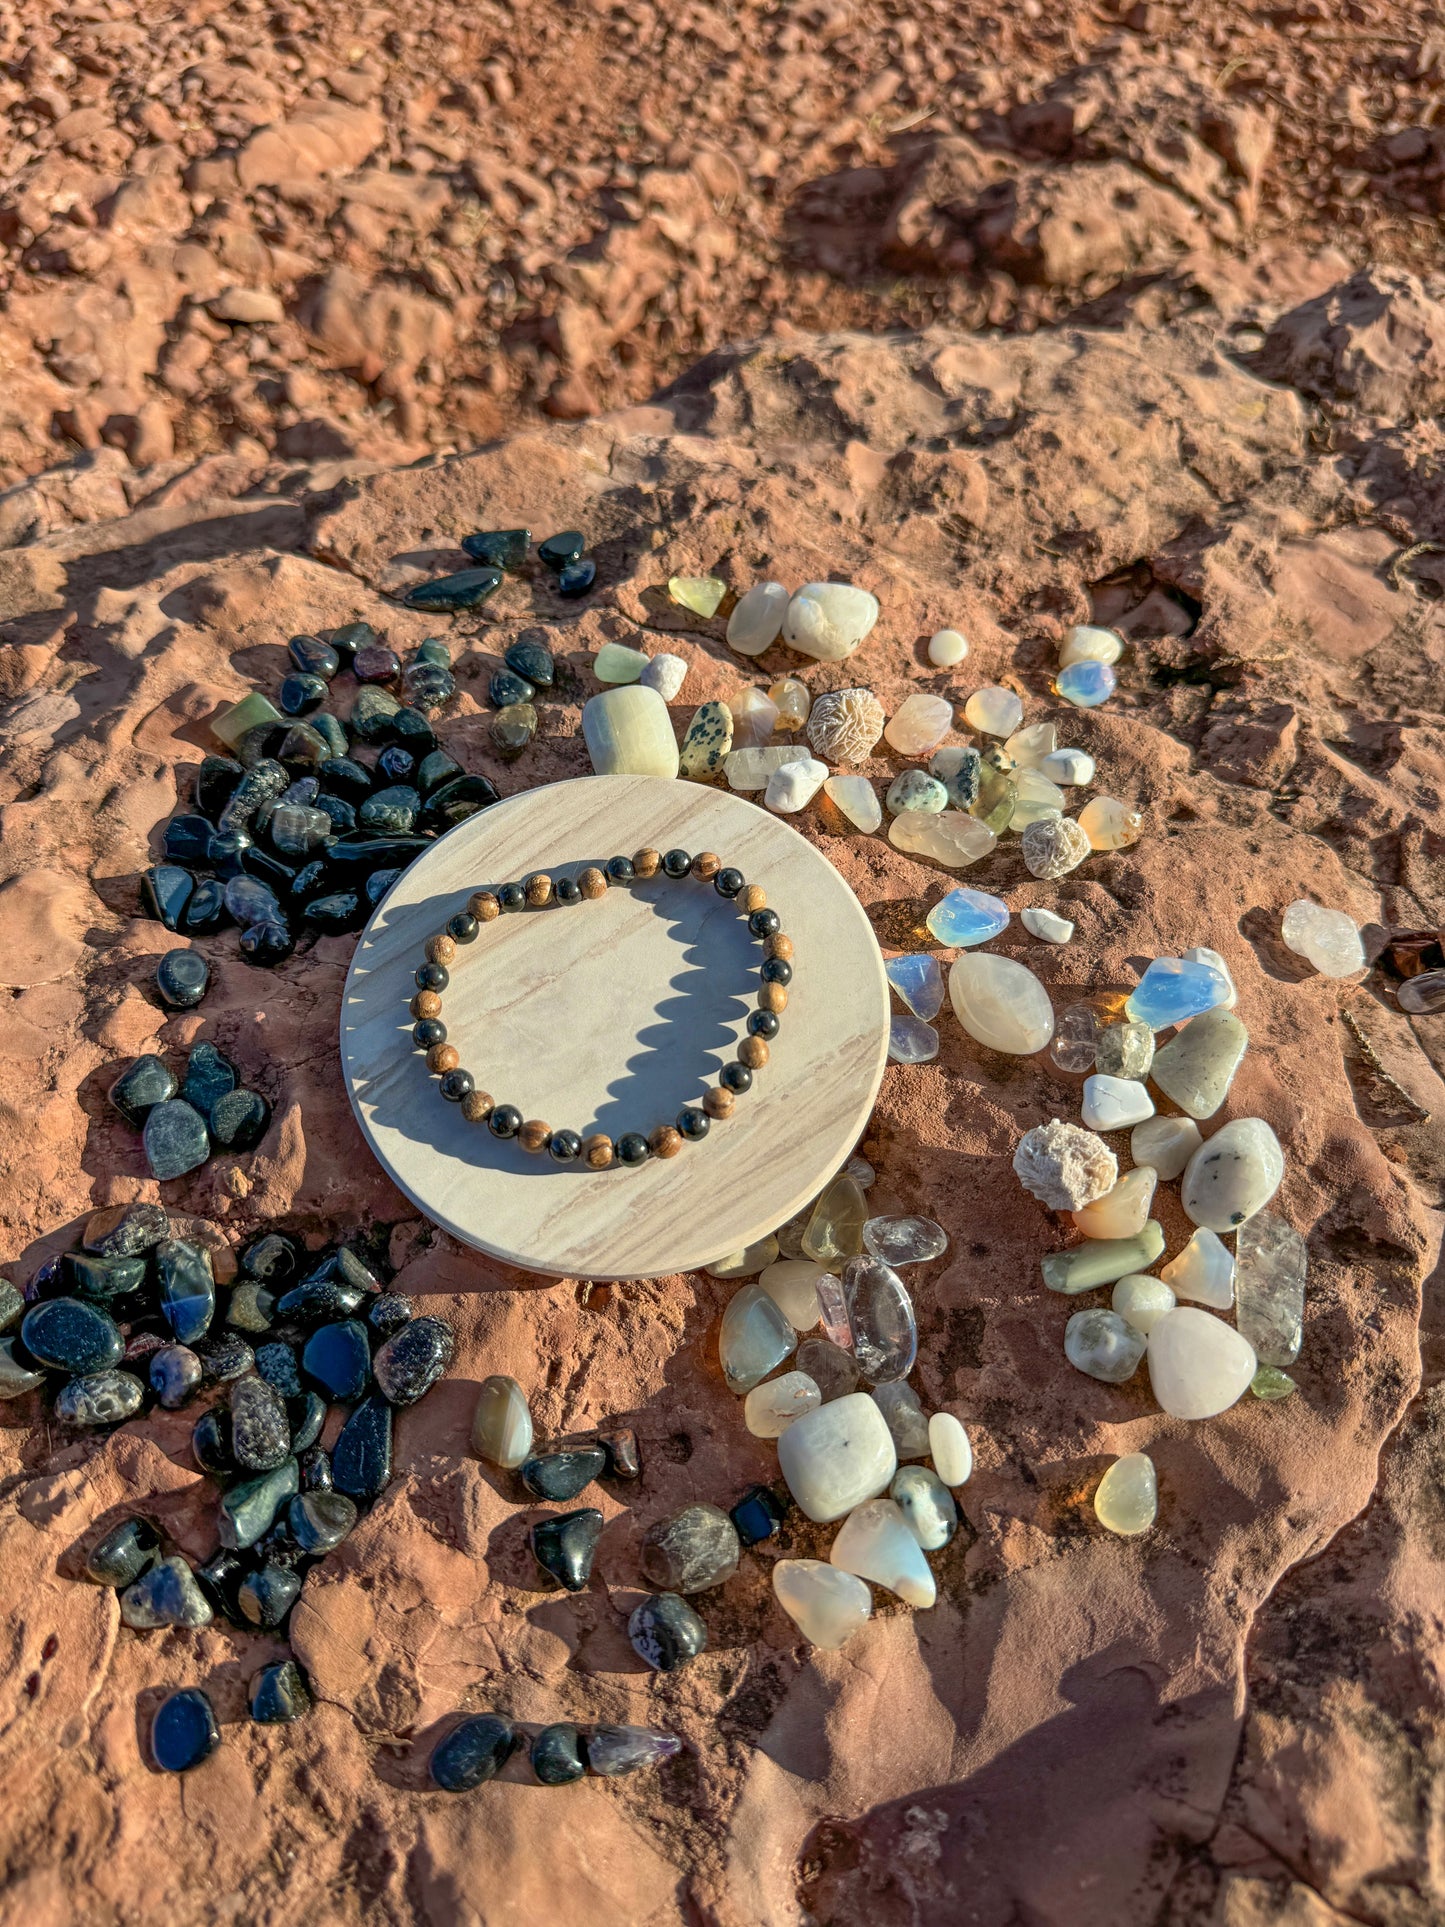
(464, 927)
(567, 890)
(429, 1031)
(632, 1148)
(505, 1121)
(736, 1077)
(765, 923)
(184, 1731)
(558, 550)
(620, 870)
(693, 1122)
(456, 1084)
(512, 896)
(433, 976)
(727, 883)
(776, 970)
(677, 863)
(764, 1023)
(565, 1146)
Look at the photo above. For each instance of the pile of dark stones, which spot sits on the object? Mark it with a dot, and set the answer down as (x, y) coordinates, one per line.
(184, 1120)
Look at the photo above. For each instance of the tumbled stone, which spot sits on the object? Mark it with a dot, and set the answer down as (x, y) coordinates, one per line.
(952, 839)
(409, 1364)
(751, 769)
(919, 725)
(181, 978)
(234, 723)
(123, 1230)
(949, 1448)
(755, 717)
(126, 1551)
(911, 1041)
(918, 981)
(1124, 1049)
(769, 1409)
(1167, 1143)
(361, 1457)
(833, 1304)
(100, 1398)
(1270, 1383)
(703, 594)
(187, 1288)
(315, 1464)
(795, 784)
(792, 700)
(1114, 1103)
(1142, 1300)
(318, 1521)
(1053, 846)
(1045, 924)
(1104, 1345)
(136, 1092)
(472, 1753)
(1085, 642)
(175, 1372)
(556, 1755)
(746, 1263)
(17, 1376)
(844, 725)
(946, 647)
(1197, 1067)
(915, 789)
(758, 1514)
(93, 1277)
(249, 1508)
(563, 1473)
(827, 1604)
(1035, 798)
(1198, 1365)
(1075, 1041)
(904, 1417)
(835, 1229)
(278, 1694)
(1172, 990)
(1085, 684)
(565, 1545)
(211, 1442)
(828, 620)
(754, 1340)
(266, 1595)
(175, 1138)
(1122, 1212)
(904, 1241)
(838, 1456)
(966, 917)
(993, 806)
(239, 1120)
(1232, 1175)
(1422, 995)
(466, 589)
(928, 1507)
(530, 658)
(499, 548)
(337, 1360)
(993, 711)
(576, 578)
(613, 1750)
(278, 1364)
(665, 1632)
(692, 1550)
(1070, 767)
(616, 663)
(209, 1075)
(1001, 1003)
(959, 767)
(1273, 1263)
(1328, 939)
(165, 1595)
(184, 1731)
(628, 732)
(707, 742)
(757, 620)
(875, 1543)
(1127, 1499)
(251, 1307)
(1065, 1166)
(1110, 824)
(12, 1305)
(791, 1284)
(1203, 1271)
(832, 1369)
(502, 1427)
(1101, 1261)
(69, 1335)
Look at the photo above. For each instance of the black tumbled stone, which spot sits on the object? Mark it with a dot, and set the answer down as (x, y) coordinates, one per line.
(562, 1475)
(467, 589)
(182, 977)
(391, 811)
(215, 784)
(454, 802)
(126, 1551)
(313, 657)
(395, 764)
(260, 1426)
(184, 1731)
(377, 885)
(361, 1457)
(504, 688)
(209, 1075)
(276, 1363)
(319, 1521)
(411, 1362)
(566, 1544)
(337, 1360)
(316, 1469)
(319, 1299)
(206, 910)
(344, 777)
(272, 1260)
(300, 694)
(226, 1356)
(557, 1755)
(137, 1091)
(175, 1372)
(123, 1230)
(188, 839)
(249, 1507)
(307, 1415)
(219, 1580)
(351, 636)
(577, 578)
(533, 661)
(428, 685)
(333, 914)
(267, 1595)
(499, 548)
(165, 892)
(69, 1335)
(93, 1277)
(175, 1138)
(211, 1442)
(239, 1120)
(434, 769)
(472, 1752)
(268, 943)
(187, 1288)
(387, 1313)
(556, 551)
(279, 1695)
(666, 1632)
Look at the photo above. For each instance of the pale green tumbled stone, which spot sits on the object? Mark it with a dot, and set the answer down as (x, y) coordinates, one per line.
(1270, 1382)
(705, 746)
(629, 733)
(1103, 1260)
(1127, 1501)
(702, 594)
(1197, 1067)
(616, 663)
(241, 718)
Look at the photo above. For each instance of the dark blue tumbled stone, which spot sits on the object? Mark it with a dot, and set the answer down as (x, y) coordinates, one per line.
(454, 802)
(395, 763)
(215, 784)
(239, 1120)
(187, 1288)
(307, 1415)
(209, 1075)
(361, 1457)
(319, 1521)
(270, 870)
(390, 812)
(387, 1313)
(472, 1752)
(165, 891)
(377, 885)
(533, 661)
(125, 1552)
(276, 1362)
(188, 839)
(122, 1230)
(137, 1091)
(266, 1596)
(211, 1441)
(577, 578)
(175, 1138)
(757, 1514)
(226, 1356)
(308, 882)
(352, 1269)
(413, 1359)
(182, 977)
(69, 1335)
(184, 1731)
(508, 687)
(267, 944)
(279, 1695)
(92, 1277)
(206, 910)
(557, 1755)
(260, 1425)
(249, 1507)
(337, 1360)
(499, 548)
(467, 589)
(558, 550)
(300, 694)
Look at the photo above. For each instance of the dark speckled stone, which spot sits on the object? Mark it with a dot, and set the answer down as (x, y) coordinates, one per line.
(121, 1230)
(467, 589)
(260, 1426)
(472, 1752)
(557, 1755)
(361, 1457)
(125, 1552)
(69, 1335)
(184, 1731)
(136, 1092)
(267, 1595)
(279, 1695)
(276, 1362)
(176, 1139)
(209, 1075)
(411, 1362)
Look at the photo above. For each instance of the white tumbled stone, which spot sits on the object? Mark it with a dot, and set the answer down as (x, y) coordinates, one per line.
(946, 647)
(827, 1605)
(628, 732)
(792, 1284)
(1045, 924)
(1198, 1365)
(1167, 1143)
(835, 1458)
(874, 1542)
(1114, 1103)
(1203, 1271)
(1232, 1175)
(1071, 767)
(949, 1448)
(856, 797)
(794, 785)
(502, 1427)
(757, 620)
(1103, 1345)
(1326, 938)
(828, 620)
(1127, 1501)
(919, 724)
(1197, 1066)
(749, 769)
(1086, 643)
(769, 1409)
(1028, 747)
(666, 674)
(927, 1505)
(1142, 1300)
(993, 710)
(952, 838)
(1001, 1003)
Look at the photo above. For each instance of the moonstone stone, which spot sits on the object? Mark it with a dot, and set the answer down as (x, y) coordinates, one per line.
(1122, 1212)
(1270, 1287)
(750, 769)
(1028, 747)
(1127, 1501)
(966, 917)
(838, 1456)
(791, 700)
(1045, 925)
(911, 1041)
(746, 1263)
(1102, 1260)
(835, 1230)
(1064, 1166)
(1142, 1300)
(1198, 1365)
(833, 1370)
(1232, 1175)
(919, 724)
(875, 1543)
(1001, 1003)
(795, 785)
(1103, 1345)
(754, 1340)
(1124, 1050)
(1110, 824)
(1114, 1103)
(844, 725)
(915, 789)
(1173, 990)
(856, 797)
(666, 674)
(707, 741)
(1035, 798)
(628, 732)
(917, 980)
(755, 717)
(993, 711)
(702, 594)
(769, 1409)
(949, 1447)
(1326, 938)
(1085, 643)
(828, 620)
(616, 663)
(827, 1605)
(898, 1402)
(757, 621)
(946, 647)
(1052, 846)
(904, 1241)
(1071, 767)
(1167, 1143)
(1203, 1271)
(953, 839)
(502, 1427)
(880, 1317)
(1085, 684)
(927, 1505)
(792, 1284)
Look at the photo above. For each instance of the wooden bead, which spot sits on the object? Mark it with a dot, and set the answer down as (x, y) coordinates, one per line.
(534, 1134)
(752, 897)
(484, 906)
(665, 1142)
(426, 1003)
(442, 1057)
(441, 949)
(779, 945)
(597, 1151)
(718, 1103)
(753, 1052)
(539, 889)
(705, 865)
(772, 997)
(647, 863)
(477, 1107)
(592, 884)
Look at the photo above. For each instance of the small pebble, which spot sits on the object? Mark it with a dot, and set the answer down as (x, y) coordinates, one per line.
(184, 1731)
(919, 724)
(531, 659)
(502, 1427)
(499, 548)
(665, 1632)
(1045, 924)
(874, 1542)
(562, 1475)
(1127, 1500)
(268, 1594)
(915, 789)
(904, 1416)
(556, 1755)
(946, 647)
(911, 1041)
(703, 594)
(758, 1514)
(966, 917)
(166, 1595)
(577, 578)
(770, 1408)
(1085, 684)
(928, 1507)
(613, 1750)
(411, 1362)
(1051, 846)
(828, 1606)
(1071, 767)
(1103, 1345)
(795, 785)
(361, 1457)
(949, 1448)
(508, 687)
(1328, 939)
(565, 1545)
(856, 797)
(692, 1550)
(175, 1372)
(181, 979)
(472, 1753)
(757, 621)
(1086, 643)
(467, 589)
(126, 1551)
(904, 1241)
(828, 620)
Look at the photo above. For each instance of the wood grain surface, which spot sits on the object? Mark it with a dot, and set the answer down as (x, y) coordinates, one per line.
(611, 1015)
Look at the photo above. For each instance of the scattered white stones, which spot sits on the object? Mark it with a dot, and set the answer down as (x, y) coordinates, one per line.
(993, 711)
(1065, 1166)
(828, 620)
(844, 725)
(1127, 1501)
(1326, 938)
(1167, 1143)
(1114, 1103)
(793, 785)
(666, 674)
(919, 724)
(828, 1606)
(949, 1448)
(1046, 924)
(1053, 846)
(757, 621)
(1000, 1003)
(838, 1456)
(946, 647)
(1103, 1345)
(1198, 1365)
(856, 797)
(1233, 1174)
(875, 1543)
(1203, 1271)
(769, 1409)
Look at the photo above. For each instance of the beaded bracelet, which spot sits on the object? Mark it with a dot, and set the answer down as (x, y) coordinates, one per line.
(535, 893)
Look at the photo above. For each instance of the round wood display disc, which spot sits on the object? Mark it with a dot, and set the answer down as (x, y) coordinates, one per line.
(610, 1016)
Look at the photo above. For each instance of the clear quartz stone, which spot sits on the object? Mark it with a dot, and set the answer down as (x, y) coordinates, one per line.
(1167, 1143)
(835, 1230)
(791, 1283)
(757, 621)
(917, 981)
(749, 769)
(1127, 1501)
(832, 1370)
(950, 1449)
(856, 797)
(904, 1241)
(1076, 1038)
(754, 1340)
(1104, 1345)
(1232, 1175)
(993, 711)
(1122, 1212)
(919, 724)
(860, 1171)
(622, 1749)
(828, 1606)
(502, 1427)
(874, 1542)
(1326, 938)
(928, 1507)
(911, 1041)
(1001, 1003)
(1197, 1066)
(837, 1456)
(1198, 1365)
(769, 1409)
(1028, 747)
(953, 839)
(833, 1304)
(1203, 1271)
(755, 717)
(1124, 1049)
(1273, 1263)
(1142, 1300)
(880, 1317)
(898, 1402)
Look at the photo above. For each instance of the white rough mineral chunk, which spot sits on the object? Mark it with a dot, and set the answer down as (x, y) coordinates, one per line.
(1326, 938)
(845, 724)
(1045, 924)
(666, 674)
(1064, 1166)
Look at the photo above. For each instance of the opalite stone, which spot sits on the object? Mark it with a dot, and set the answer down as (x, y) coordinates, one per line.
(1122, 1212)
(835, 1230)
(1167, 1143)
(792, 701)
(911, 1041)
(1085, 684)
(1125, 1049)
(837, 1457)
(898, 1402)
(927, 1505)
(959, 767)
(757, 621)
(1270, 1383)
(1270, 1287)
(993, 711)
(750, 769)
(748, 1262)
(1114, 1103)
(1052, 846)
(844, 725)
(1198, 1365)
(1142, 1300)
(628, 732)
(1203, 1271)
(1035, 798)
(1085, 643)
(708, 739)
(1028, 747)
(795, 785)
(827, 1605)
(792, 1284)
(233, 725)
(1233, 1174)
(915, 789)
(917, 981)
(755, 1339)
(904, 1241)
(666, 674)
(1103, 1260)
(1197, 1067)
(832, 1370)
(1001, 1003)
(1045, 925)
(919, 724)
(616, 663)
(1110, 824)
(828, 620)
(1172, 990)
(946, 647)
(953, 839)
(702, 594)
(881, 1320)
(1071, 767)
(1423, 995)
(856, 797)
(875, 1543)
(967, 917)
(1201, 955)
(949, 1446)
(1103, 1345)
(501, 1428)
(769, 1409)
(755, 717)
(1326, 938)
(1127, 1501)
